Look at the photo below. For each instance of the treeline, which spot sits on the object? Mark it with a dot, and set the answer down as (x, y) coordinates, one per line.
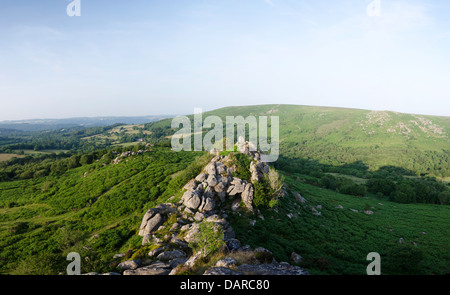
(53, 140)
(55, 164)
(422, 163)
(395, 183)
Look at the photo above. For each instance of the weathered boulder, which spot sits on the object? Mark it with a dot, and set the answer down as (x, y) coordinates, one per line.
(226, 262)
(201, 177)
(191, 199)
(224, 179)
(158, 268)
(152, 224)
(156, 251)
(220, 168)
(130, 264)
(258, 169)
(192, 233)
(169, 255)
(238, 186)
(220, 187)
(211, 168)
(315, 212)
(207, 205)
(221, 271)
(209, 192)
(299, 198)
(271, 269)
(233, 244)
(179, 243)
(177, 261)
(174, 227)
(296, 258)
(149, 214)
(199, 216)
(191, 185)
(247, 196)
(256, 175)
(212, 180)
(120, 255)
(193, 259)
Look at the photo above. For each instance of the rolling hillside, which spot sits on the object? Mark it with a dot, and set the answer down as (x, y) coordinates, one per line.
(337, 136)
(365, 179)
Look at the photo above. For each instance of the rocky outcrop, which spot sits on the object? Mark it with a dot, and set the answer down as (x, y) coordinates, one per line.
(214, 186)
(170, 227)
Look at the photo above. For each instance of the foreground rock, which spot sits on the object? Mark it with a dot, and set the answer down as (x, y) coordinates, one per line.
(283, 269)
(158, 268)
(205, 198)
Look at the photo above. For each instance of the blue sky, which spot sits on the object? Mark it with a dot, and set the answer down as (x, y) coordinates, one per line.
(168, 57)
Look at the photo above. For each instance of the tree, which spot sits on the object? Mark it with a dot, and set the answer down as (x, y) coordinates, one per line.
(86, 160)
(275, 181)
(404, 194)
(384, 186)
(354, 190)
(261, 197)
(444, 198)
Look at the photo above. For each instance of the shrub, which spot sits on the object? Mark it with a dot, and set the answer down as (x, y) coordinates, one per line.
(354, 190)
(41, 264)
(209, 239)
(444, 198)
(242, 166)
(268, 190)
(275, 181)
(261, 195)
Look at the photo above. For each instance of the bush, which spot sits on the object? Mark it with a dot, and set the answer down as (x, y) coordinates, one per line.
(275, 181)
(261, 195)
(242, 166)
(209, 239)
(444, 198)
(354, 190)
(384, 186)
(268, 190)
(41, 264)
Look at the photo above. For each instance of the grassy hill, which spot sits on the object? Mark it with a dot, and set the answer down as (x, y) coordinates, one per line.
(339, 136)
(94, 209)
(344, 161)
(338, 241)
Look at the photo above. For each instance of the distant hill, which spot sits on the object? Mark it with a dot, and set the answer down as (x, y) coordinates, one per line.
(337, 136)
(55, 124)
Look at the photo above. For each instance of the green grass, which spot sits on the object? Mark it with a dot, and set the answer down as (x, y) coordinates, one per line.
(94, 206)
(96, 209)
(338, 241)
(337, 136)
